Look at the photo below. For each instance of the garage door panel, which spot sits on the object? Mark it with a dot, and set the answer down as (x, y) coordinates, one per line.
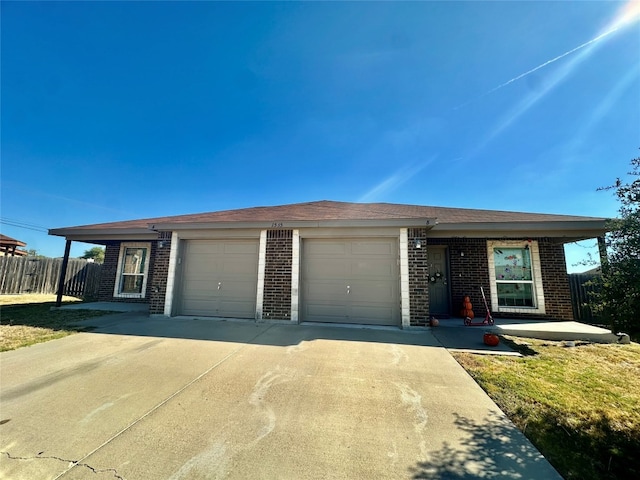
(375, 268)
(204, 247)
(369, 313)
(240, 248)
(373, 292)
(327, 291)
(359, 284)
(236, 309)
(231, 265)
(329, 313)
(327, 268)
(236, 288)
(327, 248)
(237, 267)
(382, 248)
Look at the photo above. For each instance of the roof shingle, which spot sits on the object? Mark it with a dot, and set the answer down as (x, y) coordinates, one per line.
(331, 210)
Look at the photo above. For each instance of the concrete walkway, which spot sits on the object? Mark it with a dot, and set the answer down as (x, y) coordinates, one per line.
(454, 334)
(463, 337)
(143, 397)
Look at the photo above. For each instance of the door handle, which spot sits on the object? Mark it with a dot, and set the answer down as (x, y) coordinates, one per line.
(219, 285)
(348, 289)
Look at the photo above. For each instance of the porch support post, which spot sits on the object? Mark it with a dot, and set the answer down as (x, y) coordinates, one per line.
(63, 272)
(602, 249)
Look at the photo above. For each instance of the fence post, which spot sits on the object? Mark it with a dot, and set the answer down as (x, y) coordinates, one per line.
(63, 272)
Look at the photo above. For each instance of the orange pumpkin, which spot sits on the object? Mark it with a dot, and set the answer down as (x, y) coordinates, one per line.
(491, 339)
(467, 308)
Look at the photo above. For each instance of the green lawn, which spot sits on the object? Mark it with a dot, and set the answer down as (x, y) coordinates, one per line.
(28, 319)
(579, 406)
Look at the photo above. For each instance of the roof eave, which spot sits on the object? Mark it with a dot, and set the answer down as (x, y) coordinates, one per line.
(288, 224)
(569, 230)
(101, 235)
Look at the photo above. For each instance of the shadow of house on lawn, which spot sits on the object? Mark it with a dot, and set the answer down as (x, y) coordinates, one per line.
(491, 449)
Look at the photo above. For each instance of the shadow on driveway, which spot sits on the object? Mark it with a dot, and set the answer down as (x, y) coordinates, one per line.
(491, 448)
(247, 331)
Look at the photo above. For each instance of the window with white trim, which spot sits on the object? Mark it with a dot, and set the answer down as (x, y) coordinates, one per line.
(516, 277)
(133, 269)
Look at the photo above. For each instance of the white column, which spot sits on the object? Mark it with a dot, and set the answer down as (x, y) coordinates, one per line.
(171, 275)
(262, 261)
(404, 279)
(295, 276)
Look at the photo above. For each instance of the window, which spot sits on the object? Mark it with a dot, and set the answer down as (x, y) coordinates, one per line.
(514, 280)
(133, 267)
(514, 270)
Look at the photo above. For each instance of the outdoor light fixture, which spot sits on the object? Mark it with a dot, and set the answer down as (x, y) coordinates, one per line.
(418, 243)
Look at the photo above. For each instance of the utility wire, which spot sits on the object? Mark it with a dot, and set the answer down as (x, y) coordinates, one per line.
(27, 226)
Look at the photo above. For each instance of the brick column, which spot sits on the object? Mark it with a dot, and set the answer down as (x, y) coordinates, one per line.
(418, 276)
(277, 275)
(159, 274)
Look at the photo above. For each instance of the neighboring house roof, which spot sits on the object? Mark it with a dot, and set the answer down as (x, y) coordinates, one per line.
(593, 271)
(9, 245)
(333, 214)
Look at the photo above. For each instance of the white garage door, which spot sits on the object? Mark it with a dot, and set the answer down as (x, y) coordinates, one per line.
(350, 281)
(219, 278)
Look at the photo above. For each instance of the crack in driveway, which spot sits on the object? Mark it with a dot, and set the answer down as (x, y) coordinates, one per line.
(70, 464)
(73, 464)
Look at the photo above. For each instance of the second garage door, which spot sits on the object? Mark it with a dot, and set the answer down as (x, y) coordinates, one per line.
(350, 281)
(219, 278)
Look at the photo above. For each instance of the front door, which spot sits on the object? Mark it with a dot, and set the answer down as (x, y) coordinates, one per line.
(439, 299)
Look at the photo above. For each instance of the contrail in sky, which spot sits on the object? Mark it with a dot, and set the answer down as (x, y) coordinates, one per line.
(630, 13)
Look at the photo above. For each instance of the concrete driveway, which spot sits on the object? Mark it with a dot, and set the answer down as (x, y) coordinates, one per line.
(148, 398)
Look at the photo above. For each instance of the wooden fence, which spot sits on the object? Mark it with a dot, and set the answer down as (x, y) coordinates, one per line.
(581, 291)
(41, 275)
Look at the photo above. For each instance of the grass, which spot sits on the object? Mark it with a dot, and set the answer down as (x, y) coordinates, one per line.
(579, 406)
(28, 319)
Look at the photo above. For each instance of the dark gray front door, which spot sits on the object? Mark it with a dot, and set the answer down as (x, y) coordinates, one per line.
(439, 300)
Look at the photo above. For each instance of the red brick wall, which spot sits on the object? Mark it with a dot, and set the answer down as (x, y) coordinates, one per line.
(109, 270)
(159, 278)
(555, 280)
(470, 271)
(277, 275)
(418, 277)
(466, 272)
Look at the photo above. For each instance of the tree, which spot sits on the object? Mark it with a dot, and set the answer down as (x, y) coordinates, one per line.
(618, 298)
(96, 253)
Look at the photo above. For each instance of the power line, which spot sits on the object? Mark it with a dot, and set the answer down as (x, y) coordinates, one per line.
(3, 219)
(27, 226)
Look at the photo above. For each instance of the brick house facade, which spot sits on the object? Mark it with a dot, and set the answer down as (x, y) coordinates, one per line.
(469, 257)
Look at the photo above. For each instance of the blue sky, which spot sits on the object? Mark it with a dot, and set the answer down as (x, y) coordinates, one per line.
(113, 111)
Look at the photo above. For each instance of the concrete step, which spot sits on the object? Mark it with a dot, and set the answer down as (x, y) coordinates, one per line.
(560, 331)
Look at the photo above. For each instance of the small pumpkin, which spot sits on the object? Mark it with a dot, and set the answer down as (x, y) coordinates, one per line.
(467, 308)
(491, 339)
(434, 322)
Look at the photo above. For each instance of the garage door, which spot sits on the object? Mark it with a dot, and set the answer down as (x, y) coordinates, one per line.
(219, 278)
(350, 281)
